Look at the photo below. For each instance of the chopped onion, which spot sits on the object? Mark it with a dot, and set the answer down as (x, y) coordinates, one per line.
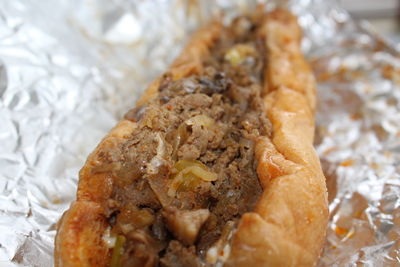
(201, 173)
(182, 134)
(238, 53)
(184, 163)
(131, 217)
(157, 160)
(108, 239)
(202, 120)
(191, 173)
(173, 187)
(196, 168)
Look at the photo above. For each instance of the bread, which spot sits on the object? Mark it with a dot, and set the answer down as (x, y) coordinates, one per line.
(286, 224)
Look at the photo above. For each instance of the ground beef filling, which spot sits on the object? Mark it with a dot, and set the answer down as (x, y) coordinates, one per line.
(188, 173)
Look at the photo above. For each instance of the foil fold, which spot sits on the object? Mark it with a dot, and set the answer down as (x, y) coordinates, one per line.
(69, 70)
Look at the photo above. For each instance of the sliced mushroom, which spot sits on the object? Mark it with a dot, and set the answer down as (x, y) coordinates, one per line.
(185, 224)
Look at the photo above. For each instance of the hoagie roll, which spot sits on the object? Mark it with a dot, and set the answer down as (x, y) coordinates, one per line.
(215, 165)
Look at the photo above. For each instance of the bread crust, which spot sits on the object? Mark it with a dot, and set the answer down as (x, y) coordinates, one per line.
(287, 226)
(82, 226)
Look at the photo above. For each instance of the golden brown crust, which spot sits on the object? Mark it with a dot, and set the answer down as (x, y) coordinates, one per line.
(189, 61)
(288, 225)
(79, 237)
(78, 241)
(97, 186)
(80, 231)
(286, 64)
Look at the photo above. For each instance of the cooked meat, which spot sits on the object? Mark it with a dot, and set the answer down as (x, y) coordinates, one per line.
(179, 256)
(141, 249)
(175, 183)
(187, 173)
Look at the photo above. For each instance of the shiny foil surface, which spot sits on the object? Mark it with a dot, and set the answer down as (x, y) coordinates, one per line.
(69, 69)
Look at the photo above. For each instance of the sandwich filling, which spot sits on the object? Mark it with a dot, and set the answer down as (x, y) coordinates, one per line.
(186, 175)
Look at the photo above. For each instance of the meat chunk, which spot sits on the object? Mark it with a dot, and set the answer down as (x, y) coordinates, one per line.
(179, 256)
(141, 250)
(187, 169)
(185, 224)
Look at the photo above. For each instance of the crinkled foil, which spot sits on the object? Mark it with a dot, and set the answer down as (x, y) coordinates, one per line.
(69, 69)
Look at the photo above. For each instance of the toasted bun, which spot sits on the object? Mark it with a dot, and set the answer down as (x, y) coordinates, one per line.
(79, 236)
(287, 226)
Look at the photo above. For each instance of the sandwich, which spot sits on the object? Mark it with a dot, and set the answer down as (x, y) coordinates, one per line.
(215, 164)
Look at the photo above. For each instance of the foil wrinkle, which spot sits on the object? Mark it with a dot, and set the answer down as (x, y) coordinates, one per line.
(70, 69)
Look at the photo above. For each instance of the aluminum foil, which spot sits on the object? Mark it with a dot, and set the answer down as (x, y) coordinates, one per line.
(70, 69)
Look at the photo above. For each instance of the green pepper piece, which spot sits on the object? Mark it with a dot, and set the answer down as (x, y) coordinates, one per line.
(118, 251)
